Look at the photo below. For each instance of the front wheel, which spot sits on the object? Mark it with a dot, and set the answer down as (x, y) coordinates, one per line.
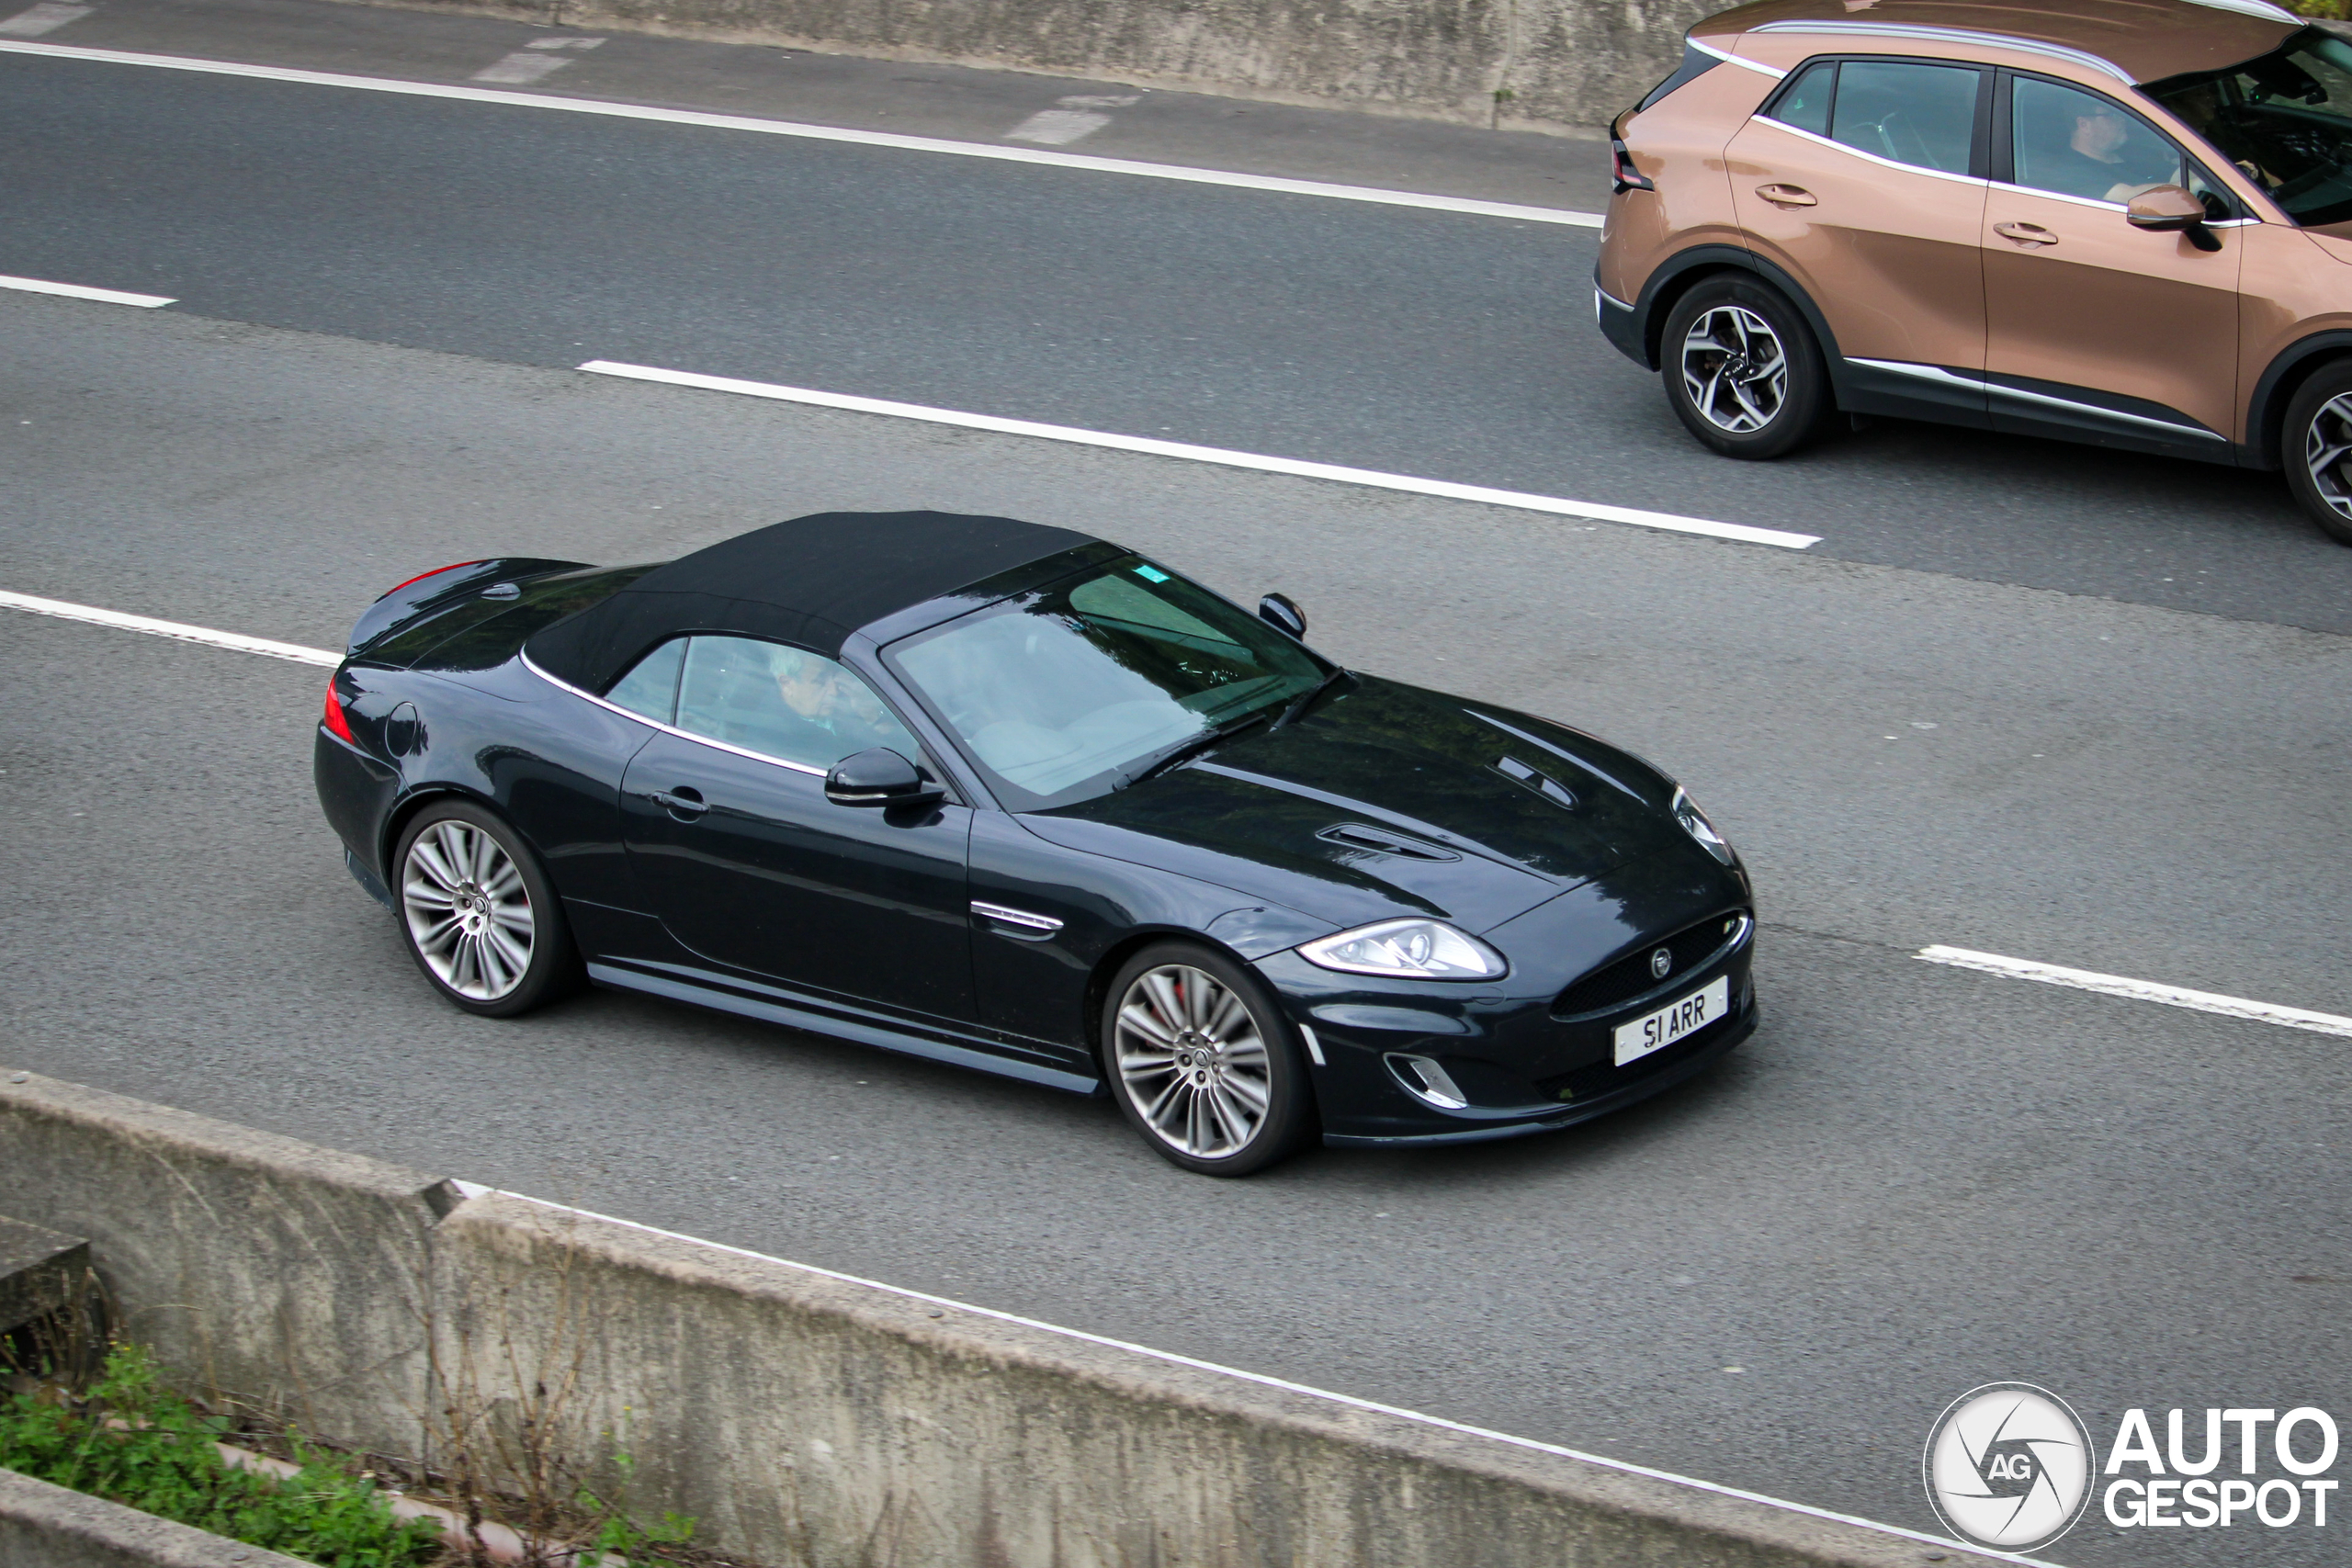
(2317, 446)
(1201, 1061)
(478, 913)
(1742, 370)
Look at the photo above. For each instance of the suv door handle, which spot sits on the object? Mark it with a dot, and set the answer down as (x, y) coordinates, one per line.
(685, 803)
(1788, 196)
(2025, 233)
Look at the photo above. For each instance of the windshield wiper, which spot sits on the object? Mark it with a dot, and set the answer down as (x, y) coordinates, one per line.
(1304, 700)
(1162, 761)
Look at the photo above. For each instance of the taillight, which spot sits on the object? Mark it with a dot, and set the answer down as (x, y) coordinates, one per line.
(421, 576)
(336, 724)
(1627, 176)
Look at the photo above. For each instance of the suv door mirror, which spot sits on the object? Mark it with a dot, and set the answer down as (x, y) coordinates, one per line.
(1278, 612)
(2164, 211)
(880, 777)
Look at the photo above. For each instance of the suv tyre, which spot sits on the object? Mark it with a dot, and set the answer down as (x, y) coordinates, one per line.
(1743, 370)
(2315, 446)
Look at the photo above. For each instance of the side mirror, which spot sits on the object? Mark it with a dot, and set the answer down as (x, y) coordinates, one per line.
(1277, 610)
(2172, 209)
(880, 777)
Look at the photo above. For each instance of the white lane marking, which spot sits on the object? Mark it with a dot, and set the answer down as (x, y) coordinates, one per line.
(2138, 991)
(1058, 128)
(820, 133)
(539, 58)
(178, 630)
(43, 18)
(1555, 506)
(82, 291)
(475, 1190)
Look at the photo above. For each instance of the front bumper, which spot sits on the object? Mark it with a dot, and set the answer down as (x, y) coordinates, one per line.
(1518, 1065)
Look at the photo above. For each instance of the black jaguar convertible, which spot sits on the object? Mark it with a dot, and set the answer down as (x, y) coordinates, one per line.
(1013, 797)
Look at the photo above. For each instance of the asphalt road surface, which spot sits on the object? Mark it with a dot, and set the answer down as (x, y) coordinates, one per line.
(1426, 343)
(2004, 733)
(1914, 1180)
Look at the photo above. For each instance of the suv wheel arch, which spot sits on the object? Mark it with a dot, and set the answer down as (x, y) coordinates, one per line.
(2266, 412)
(1680, 274)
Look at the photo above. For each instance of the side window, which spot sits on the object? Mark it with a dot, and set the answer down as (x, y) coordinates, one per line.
(1908, 112)
(1806, 102)
(651, 688)
(784, 703)
(2070, 142)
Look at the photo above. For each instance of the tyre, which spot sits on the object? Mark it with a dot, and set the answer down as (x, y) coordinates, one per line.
(2316, 446)
(478, 913)
(1742, 370)
(1203, 1062)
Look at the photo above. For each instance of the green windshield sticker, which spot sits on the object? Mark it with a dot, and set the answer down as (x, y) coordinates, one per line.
(1151, 574)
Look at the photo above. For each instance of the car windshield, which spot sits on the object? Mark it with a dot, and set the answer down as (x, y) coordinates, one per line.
(1071, 690)
(2284, 119)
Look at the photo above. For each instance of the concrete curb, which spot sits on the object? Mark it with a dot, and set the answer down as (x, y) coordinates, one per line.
(48, 1527)
(802, 1415)
(1564, 65)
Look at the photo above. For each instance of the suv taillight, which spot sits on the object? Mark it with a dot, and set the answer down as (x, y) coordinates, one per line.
(1627, 176)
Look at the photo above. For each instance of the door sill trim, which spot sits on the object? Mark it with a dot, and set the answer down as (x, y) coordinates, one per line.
(715, 991)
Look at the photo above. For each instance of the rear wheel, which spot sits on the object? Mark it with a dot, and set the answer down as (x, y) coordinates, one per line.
(2317, 446)
(1742, 370)
(478, 913)
(1203, 1062)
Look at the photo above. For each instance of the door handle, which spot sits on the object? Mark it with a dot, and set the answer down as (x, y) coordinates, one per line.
(685, 803)
(2025, 233)
(1788, 196)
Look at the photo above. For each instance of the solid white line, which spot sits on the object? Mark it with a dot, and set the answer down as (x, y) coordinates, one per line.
(2139, 990)
(1555, 506)
(821, 133)
(82, 291)
(475, 1190)
(174, 629)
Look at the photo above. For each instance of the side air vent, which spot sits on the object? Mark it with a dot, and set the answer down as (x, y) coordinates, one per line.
(1381, 841)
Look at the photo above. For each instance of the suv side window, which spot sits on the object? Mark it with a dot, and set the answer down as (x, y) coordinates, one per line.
(1805, 103)
(2070, 142)
(1908, 112)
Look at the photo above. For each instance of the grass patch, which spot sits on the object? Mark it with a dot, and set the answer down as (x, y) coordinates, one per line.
(131, 1441)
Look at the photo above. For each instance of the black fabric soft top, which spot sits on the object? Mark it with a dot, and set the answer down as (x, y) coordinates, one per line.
(810, 581)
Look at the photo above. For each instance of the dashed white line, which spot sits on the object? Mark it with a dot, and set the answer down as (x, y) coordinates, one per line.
(43, 18)
(1555, 506)
(82, 291)
(818, 133)
(2139, 990)
(178, 631)
(539, 58)
(1073, 119)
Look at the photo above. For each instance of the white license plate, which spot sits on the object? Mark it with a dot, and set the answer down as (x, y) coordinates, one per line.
(1672, 1021)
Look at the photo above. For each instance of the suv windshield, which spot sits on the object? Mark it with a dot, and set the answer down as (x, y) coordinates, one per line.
(1068, 691)
(2284, 119)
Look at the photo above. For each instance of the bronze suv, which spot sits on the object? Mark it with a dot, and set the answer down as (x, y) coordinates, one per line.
(2127, 222)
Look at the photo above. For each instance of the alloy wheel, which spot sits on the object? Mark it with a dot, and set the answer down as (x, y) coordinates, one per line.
(466, 909)
(1192, 1062)
(2327, 443)
(1735, 369)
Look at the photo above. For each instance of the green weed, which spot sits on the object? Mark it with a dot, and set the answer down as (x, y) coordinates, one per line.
(134, 1442)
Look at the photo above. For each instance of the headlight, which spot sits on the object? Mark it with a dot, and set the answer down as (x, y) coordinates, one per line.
(1694, 822)
(1415, 950)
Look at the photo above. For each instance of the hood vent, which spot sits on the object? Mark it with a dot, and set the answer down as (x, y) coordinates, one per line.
(1381, 841)
(1541, 784)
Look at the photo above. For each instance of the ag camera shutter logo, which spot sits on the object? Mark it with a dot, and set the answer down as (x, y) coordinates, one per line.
(2009, 1465)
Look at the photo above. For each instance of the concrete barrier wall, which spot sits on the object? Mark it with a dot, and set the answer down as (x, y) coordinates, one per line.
(48, 1527)
(800, 1417)
(1568, 65)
